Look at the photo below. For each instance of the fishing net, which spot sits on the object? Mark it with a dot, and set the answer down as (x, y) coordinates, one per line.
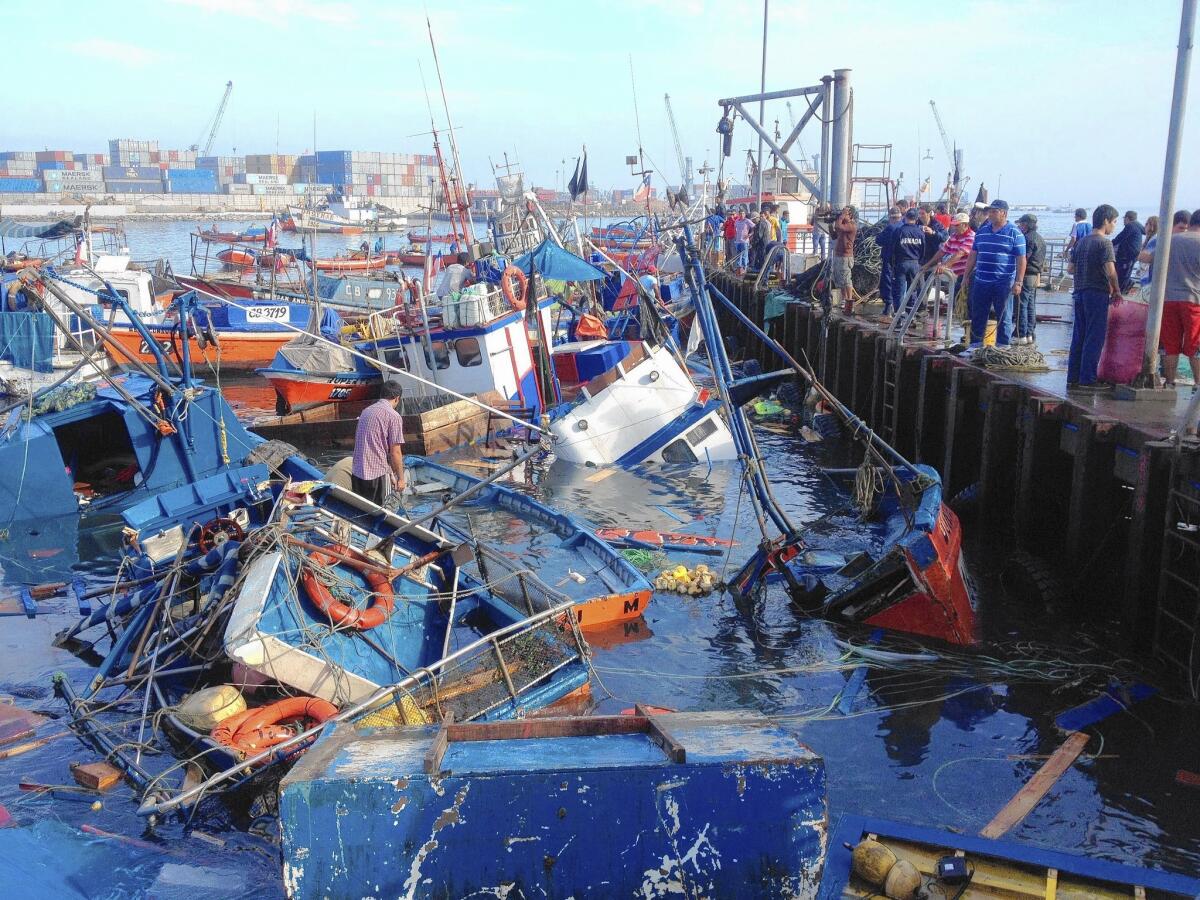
(495, 673)
(62, 398)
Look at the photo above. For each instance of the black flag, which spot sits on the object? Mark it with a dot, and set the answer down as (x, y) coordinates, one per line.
(578, 185)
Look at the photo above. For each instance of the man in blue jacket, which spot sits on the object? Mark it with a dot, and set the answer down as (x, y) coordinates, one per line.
(910, 250)
(886, 239)
(996, 268)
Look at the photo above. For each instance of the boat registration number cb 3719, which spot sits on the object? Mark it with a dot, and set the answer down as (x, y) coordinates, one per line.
(267, 313)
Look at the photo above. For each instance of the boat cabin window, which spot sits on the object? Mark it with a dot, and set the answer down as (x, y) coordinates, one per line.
(467, 350)
(441, 355)
(395, 357)
(98, 454)
(678, 452)
(120, 292)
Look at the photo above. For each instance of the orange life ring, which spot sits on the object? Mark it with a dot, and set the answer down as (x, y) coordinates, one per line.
(515, 298)
(342, 613)
(263, 727)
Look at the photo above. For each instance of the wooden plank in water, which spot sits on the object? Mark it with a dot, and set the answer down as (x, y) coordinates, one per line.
(1031, 794)
(17, 723)
(601, 475)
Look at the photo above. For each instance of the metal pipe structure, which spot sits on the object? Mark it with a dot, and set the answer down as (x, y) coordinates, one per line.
(826, 138)
(762, 88)
(1148, 377)
(840, 152)
(783, 157)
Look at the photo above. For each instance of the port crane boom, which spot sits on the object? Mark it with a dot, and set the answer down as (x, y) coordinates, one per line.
(216, 122)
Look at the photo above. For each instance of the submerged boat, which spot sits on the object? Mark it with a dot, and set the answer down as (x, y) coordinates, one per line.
(624, 591)
(892, 557)
(959, 865)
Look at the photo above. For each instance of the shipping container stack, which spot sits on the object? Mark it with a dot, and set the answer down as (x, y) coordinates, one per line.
(134, 167)
(367, 174)
(19, 172)
(226, 168)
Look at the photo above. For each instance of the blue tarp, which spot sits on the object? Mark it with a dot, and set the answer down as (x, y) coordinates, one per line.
(554, 262)
(27, 340)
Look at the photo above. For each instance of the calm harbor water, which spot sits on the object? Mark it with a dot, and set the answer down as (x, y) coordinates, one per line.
(944, 744)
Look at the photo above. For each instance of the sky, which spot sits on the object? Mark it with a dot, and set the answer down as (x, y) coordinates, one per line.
(1060, 101)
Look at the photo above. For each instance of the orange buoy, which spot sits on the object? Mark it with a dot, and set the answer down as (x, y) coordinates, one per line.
(513, 283)
(263, 727)
(340, 613)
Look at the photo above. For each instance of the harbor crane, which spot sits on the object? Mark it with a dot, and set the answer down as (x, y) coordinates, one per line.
(216, 122)
(955, 182)
(683, 169)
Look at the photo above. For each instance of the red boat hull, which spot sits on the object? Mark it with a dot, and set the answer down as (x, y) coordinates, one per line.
(304, 391)
(941, 606)
(239, 350)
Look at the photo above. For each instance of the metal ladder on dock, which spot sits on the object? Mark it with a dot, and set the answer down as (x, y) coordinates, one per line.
(1177, 612)
(888, 417)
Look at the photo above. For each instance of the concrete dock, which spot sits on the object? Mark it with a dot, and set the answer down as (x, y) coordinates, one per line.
(1094, 487)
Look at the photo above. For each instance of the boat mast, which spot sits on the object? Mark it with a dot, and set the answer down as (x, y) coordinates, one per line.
(457, 202)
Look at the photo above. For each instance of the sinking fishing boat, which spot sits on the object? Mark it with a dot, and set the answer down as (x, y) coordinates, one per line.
(713, 804)
(304, 605)
(863, 851)
(585, 560)
(892, 557)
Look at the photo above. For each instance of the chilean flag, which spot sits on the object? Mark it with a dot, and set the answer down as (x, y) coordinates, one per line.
(272, 233)
(643, 191)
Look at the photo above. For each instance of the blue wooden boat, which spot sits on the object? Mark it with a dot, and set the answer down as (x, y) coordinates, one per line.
(986, 868)
(679, 804)
(271, 581)
(109, 446)
(623, 593)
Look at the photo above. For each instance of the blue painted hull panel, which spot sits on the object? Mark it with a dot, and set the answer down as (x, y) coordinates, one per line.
(579, 816)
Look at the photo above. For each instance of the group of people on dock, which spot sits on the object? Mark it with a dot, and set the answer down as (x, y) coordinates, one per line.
(748, 237)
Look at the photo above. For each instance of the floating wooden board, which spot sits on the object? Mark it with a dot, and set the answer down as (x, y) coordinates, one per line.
(1037, 787)
(17, 723)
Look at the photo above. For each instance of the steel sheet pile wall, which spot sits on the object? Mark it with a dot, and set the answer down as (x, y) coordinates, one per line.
(1081, 492)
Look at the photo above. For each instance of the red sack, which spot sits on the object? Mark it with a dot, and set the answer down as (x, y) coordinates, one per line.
(1121, 358)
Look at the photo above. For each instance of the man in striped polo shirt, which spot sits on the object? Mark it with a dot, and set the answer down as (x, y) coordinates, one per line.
(996, 268)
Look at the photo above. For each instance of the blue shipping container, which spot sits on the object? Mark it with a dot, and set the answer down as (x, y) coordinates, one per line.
(200, 176)
(20, 186)
(333, 156)
(172, 187)
(116, 186)
(131, 173)
(54, 164)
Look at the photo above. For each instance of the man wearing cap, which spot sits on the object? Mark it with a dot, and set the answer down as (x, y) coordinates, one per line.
(378, 459)
(996, 268)
(1035, 261)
